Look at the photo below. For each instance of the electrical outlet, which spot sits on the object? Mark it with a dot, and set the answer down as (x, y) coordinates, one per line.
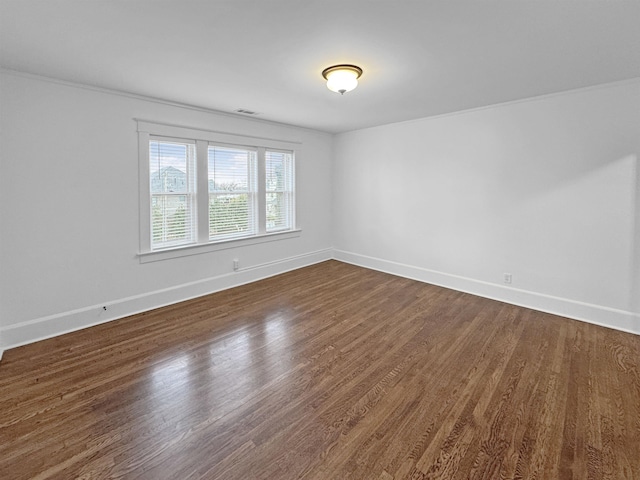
(236, 264)
(507, 278)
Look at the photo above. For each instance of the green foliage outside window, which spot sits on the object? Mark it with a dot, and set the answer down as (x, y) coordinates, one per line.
(168, 223)
(228, 214)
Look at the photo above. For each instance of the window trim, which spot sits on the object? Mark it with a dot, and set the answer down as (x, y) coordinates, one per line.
(197, 249)
(202, 139)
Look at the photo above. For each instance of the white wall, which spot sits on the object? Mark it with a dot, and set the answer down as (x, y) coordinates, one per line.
(545, 189)
(635, 285)
(69, 209)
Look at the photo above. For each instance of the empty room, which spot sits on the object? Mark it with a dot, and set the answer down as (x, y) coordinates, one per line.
(321, 240)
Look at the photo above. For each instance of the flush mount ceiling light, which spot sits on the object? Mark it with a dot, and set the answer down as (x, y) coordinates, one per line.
(342, 78)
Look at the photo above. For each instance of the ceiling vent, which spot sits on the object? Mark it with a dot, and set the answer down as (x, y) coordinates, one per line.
(246, 112)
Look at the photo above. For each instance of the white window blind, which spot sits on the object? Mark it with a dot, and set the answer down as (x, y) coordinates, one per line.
(279, 190)
(232, 183)
(172, 187)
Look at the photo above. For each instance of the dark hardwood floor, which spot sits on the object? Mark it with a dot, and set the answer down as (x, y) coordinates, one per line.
(328, 372)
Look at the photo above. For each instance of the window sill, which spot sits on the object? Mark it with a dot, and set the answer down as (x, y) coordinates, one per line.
(187, 250)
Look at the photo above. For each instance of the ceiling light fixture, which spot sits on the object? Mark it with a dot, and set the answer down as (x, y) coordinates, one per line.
(342, 78)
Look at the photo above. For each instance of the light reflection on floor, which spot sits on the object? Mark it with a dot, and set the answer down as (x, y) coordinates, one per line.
(238, 364)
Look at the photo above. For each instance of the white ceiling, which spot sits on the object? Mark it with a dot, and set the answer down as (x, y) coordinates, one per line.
(420, 58)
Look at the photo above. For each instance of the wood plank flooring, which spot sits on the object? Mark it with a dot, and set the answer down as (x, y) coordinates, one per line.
(327, 372)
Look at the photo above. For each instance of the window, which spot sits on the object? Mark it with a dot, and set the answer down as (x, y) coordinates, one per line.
(172, 185)
(202, 189)
(232, 192)
(279, 188)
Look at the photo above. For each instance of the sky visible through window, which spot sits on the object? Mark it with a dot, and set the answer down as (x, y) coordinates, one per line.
(228, 168)
(167, 155)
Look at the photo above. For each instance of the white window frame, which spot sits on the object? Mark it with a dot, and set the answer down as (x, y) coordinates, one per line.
(148, 130)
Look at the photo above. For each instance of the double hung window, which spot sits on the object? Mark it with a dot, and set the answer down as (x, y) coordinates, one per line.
(172, 185)
(205, 188)
(279, 190)
(233, 189)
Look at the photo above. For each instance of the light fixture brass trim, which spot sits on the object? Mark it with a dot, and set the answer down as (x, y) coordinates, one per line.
(344, 66)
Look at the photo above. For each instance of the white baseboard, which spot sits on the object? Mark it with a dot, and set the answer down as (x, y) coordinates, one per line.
(604, 316)
(46, 327)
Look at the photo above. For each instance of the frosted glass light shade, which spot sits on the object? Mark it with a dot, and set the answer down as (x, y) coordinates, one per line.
(342, 78)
